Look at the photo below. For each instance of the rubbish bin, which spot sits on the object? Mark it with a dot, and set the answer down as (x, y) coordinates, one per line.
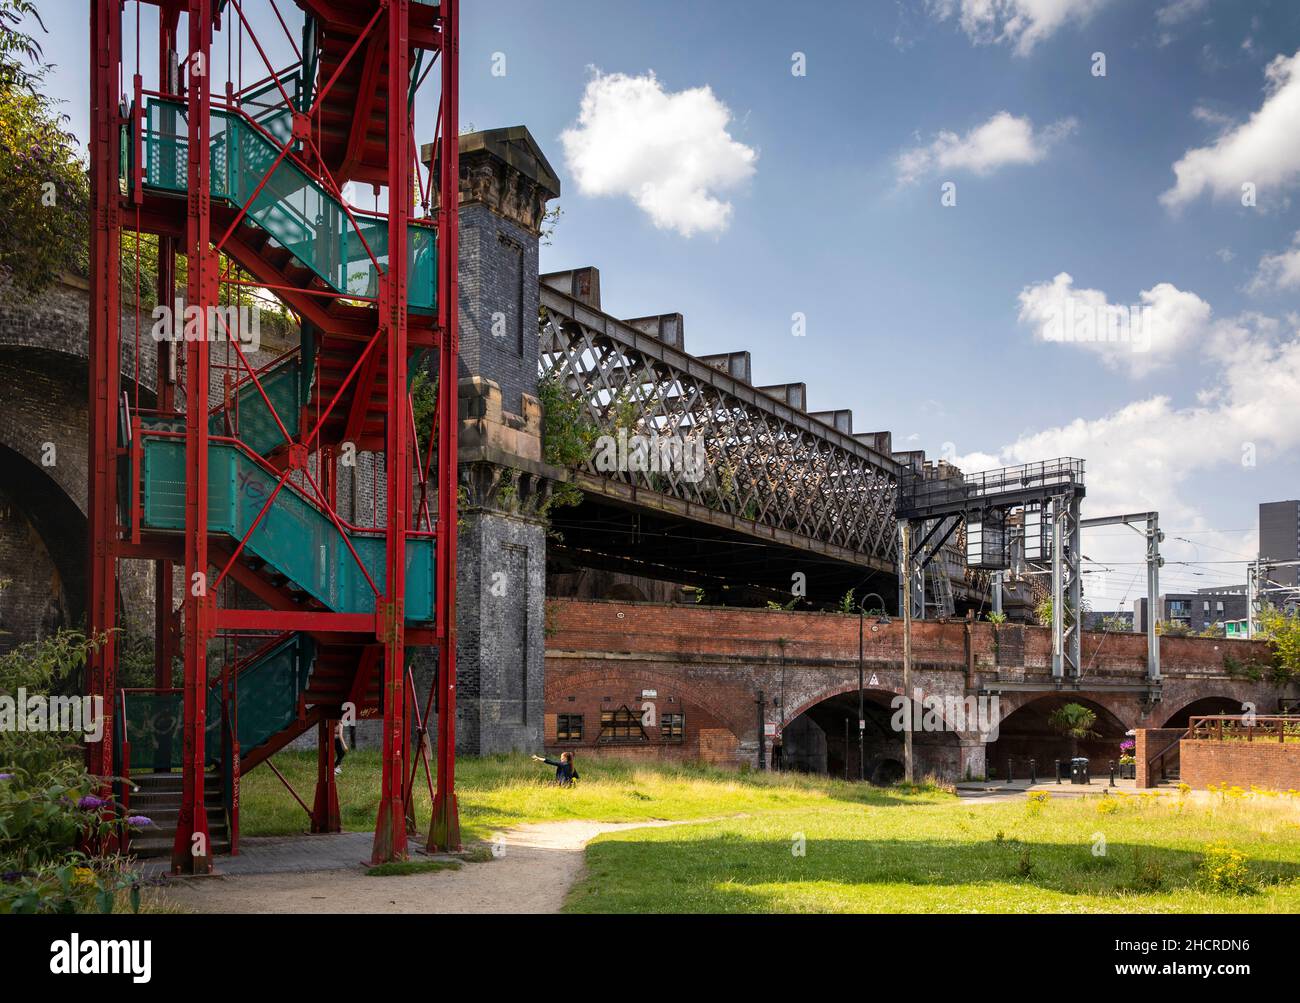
(1079, 770)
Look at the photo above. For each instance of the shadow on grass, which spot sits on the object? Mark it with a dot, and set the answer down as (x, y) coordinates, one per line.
(731, 873)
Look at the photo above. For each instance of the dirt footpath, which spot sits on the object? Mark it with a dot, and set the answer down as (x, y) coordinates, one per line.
(539, 865)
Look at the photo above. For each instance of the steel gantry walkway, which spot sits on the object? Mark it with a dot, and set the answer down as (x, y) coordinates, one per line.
(218, 177)
(934, 502)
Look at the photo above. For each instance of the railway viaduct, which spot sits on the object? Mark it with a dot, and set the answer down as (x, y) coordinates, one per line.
(715, 679)
(795, 491)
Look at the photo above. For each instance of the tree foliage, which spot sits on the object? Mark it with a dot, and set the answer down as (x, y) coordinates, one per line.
(44, 228)
(1075, 722)
(1282, 630)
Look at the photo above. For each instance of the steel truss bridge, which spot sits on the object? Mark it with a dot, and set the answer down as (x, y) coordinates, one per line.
(766, 491)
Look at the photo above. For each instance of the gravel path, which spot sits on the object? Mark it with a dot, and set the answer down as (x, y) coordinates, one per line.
(538, 865)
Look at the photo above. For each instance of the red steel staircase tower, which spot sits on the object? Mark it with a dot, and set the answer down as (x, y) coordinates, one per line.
(221, 468)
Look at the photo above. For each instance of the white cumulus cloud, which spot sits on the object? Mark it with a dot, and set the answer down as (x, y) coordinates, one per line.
(1022, 24)
(1178, 11)
(1279, 271)
(1264, 151)
(1002, 141)
(1153, 454)
(669, 152)
(1132, 338)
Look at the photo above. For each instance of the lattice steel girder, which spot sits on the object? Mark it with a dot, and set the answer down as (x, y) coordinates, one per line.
(648, 347)
(767, 466)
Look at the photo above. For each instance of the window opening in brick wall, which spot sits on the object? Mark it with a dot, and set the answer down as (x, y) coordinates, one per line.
(621, 725)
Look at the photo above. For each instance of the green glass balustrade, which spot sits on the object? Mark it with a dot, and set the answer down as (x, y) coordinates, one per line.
(249, 414)
(294, 537)
(299, 214)
(266, 695)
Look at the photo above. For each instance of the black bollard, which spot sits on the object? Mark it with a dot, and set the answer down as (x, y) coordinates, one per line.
(1033, 772)
(1009, 778)
(1058, 771)
(1112, 773)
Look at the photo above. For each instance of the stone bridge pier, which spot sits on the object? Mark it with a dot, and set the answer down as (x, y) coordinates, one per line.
(505, 183)
(731, 686)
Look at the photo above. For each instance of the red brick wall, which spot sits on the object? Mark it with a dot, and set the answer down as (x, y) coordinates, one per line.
(1271, 764)
(590, 690)
(710, 663)
(575, 625)
(1151, 742)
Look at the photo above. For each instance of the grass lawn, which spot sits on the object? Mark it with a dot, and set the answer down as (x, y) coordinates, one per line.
(959, 857)
(864, 849)
(496, 792)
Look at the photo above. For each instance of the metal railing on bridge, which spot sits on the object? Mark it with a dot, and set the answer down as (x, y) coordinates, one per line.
(918, 492)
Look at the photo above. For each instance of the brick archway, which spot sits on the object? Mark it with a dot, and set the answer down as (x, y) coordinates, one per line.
(43, 537)
(1025, 732)
(1211, 704)
(821, 735)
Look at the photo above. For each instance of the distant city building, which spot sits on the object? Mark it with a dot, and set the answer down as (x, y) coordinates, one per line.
(1235, 630)
(1196, 611)
(1279, 537)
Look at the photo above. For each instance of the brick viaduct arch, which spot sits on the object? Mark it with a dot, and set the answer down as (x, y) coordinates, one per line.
(43, 459)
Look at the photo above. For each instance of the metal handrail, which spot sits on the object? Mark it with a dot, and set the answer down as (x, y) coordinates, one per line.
(1218, 727)
(1165, 751)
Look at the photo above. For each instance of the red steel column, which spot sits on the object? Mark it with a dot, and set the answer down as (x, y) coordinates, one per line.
(444, 830)
(105, 379)
(164, 617)
(390, 826)
(325, 808)
(192, 850)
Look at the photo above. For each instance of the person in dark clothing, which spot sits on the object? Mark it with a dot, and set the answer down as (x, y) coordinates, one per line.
(565, 774)
(340, 748)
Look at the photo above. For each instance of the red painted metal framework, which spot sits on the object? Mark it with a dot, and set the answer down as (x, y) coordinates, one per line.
(370, 56)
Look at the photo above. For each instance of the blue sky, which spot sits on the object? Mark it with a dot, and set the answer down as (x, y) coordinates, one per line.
(922, 318)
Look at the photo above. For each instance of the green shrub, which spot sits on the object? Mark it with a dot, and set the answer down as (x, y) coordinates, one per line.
(55, 827)
(1226, 869)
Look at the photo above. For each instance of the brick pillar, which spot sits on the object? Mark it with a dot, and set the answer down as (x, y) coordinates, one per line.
(973, 760)
(505, 183)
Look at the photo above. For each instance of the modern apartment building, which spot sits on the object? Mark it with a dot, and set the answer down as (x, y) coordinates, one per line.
(1197, 611)
(1279, 537)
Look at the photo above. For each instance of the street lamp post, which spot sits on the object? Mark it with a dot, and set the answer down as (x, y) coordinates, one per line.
(862, 710)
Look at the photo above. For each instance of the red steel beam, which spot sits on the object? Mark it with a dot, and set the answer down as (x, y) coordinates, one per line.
(304, 620)
(192, 849)
(165, 634)
(390, 825)
(105, 351)
(355, 146)
(361, 393)
(444, 830)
